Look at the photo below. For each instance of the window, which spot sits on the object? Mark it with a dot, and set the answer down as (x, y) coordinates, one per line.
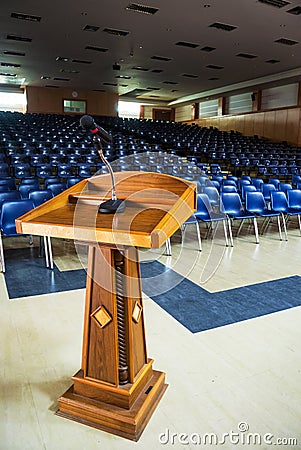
(77, 106)
(12, 102)
(129, 109)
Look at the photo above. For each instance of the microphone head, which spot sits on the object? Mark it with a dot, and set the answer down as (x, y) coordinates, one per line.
(87, 122)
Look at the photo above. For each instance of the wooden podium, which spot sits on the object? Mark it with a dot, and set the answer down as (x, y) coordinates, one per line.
(116, 389)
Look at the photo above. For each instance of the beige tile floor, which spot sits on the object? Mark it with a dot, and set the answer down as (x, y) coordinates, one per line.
(245, 373)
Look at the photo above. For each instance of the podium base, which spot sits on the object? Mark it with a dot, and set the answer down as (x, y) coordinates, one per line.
(127, 423)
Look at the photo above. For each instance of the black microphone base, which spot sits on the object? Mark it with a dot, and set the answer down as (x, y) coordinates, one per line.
(111, 207)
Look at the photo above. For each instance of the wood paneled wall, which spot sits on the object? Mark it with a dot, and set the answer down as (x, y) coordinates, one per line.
(50, 100)
(278, 125)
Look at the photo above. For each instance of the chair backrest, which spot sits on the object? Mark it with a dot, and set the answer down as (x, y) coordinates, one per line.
(8, 182)
(40, 196)
(213, 194)
(31, 181)
(279, 201)
(242, 182)
(229, 182)
(255, 202)
(213, 183)
(231, 203)
(11, 210)
(56, 188)
(267, 188)
(257, 182)
(247, 188)
(24, 190)
(72, 181)
(44, 171)
(9, 195)
(275, 182)
(204, 207)
(285, 187)
(64, 170)
(4, 169)
(22, 170)
(228, 188)
(51, 180)
(294, 198)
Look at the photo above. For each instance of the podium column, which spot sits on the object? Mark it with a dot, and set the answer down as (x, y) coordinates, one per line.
(116, 389)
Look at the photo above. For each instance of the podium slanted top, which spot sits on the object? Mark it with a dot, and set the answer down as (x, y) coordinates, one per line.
(156, 206)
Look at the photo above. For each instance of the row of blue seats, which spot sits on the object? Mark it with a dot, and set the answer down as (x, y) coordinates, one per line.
(230, 208)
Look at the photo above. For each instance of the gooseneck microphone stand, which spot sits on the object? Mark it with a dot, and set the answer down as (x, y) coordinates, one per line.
(114, 205)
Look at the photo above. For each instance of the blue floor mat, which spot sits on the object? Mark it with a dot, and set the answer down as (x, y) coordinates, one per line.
(191, 305)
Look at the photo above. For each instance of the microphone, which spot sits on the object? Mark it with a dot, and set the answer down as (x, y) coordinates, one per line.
(100, 137)
(88, 124)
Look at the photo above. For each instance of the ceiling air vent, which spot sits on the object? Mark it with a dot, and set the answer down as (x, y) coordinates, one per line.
(11, 53)
(153, 88)
(161, 58)
(213, 66)
(222, 26)
(61, 79)
(13, 37)
(6, 64)
(110, 84)
(170, 82)
(286, 41)
(7, 74)
(157, 70)
(143, 69)
(189, 75)
(62, 58)
(208, 49)
(272, 61)
(69, 71)
(52, 86)
(116, 32)
(99, 90)
(26, 17)
(124, 77)
(213, 78)
(296, 11)
(92, 28)
(187, 44)
(275, 3)
(81, 61)
(96, 49)
(246, 55)
(142, 9)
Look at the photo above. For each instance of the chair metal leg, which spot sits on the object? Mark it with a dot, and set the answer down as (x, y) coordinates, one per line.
(225, 233)
(46, 251)
(299, 223)
(265, 225)
(168, 247)
(240, 227)
(284, 226)
(50, 252)
(230, 231)
(279, 228)
(256, 230)
(2, 254)
(199, 235)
